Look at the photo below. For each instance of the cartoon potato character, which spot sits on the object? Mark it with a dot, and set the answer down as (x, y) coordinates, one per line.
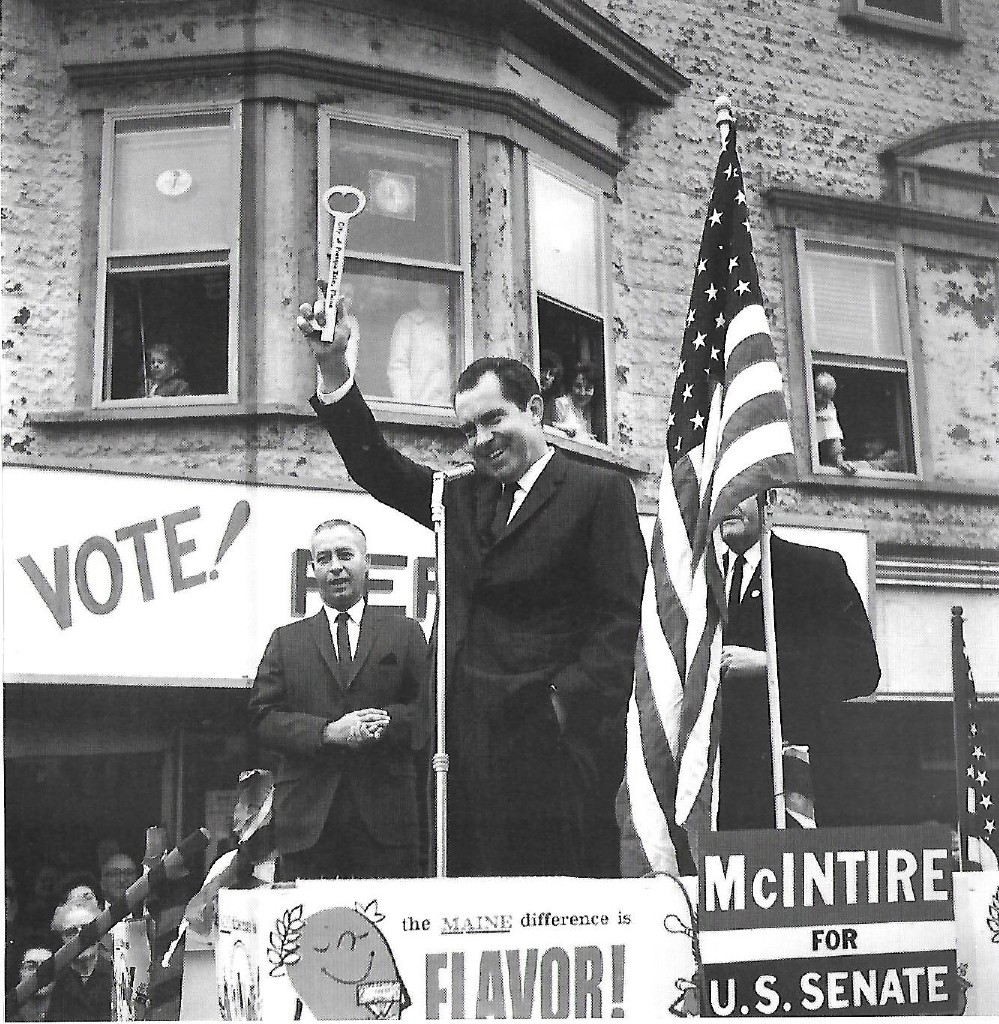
(345, 969)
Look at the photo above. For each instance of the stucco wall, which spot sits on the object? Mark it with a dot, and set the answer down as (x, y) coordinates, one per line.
(817, 101)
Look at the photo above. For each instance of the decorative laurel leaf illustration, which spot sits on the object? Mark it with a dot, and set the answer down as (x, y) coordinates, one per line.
(284, 940)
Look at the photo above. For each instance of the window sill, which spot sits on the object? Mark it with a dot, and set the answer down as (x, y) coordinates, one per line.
(384, 414)
(115, 413)
(896, 483)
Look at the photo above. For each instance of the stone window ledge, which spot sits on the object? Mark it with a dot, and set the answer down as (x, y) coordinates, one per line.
(76, 416)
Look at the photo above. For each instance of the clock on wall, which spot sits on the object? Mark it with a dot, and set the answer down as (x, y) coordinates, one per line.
(174, 182)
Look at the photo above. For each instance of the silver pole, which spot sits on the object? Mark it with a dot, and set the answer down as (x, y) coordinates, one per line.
(773, 689)
(440, 759)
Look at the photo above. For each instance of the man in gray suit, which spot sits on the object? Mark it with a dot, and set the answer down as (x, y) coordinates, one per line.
(336, 696)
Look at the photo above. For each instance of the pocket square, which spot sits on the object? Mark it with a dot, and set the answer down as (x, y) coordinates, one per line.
(389, 659)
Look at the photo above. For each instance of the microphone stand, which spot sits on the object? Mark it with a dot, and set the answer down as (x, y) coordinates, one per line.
(440, 758)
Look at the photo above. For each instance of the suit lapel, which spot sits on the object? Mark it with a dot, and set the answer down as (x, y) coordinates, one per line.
(320, 625)
(365, 641)
(486, 496)
(538, 496)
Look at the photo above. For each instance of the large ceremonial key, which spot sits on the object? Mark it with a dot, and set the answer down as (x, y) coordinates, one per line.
(338, 243)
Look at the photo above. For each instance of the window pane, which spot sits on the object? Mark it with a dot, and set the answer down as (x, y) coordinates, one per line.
(408, 329)
(410, 182)
(967, 200)
(168, 334)
(564, 241)
(851, 301)
(913, 628)
(574, 389)
(173, 189)
(928, 10)
(872, 410)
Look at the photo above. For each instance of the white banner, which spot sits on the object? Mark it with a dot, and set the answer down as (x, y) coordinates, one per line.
(456, 949)
(129, 578)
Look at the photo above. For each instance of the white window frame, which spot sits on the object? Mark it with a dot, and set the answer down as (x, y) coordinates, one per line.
(603, 285)
(327, 116)
(112, 117)
(826, 357)
(948, 27)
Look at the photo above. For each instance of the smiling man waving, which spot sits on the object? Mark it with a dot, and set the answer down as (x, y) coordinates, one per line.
(545, 569)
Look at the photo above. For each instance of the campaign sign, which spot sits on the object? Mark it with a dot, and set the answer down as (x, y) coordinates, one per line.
(832, 922)
(456, 949)
(976, 905)
(131, 970)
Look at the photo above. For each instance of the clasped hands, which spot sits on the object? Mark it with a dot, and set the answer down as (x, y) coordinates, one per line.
(357, 728)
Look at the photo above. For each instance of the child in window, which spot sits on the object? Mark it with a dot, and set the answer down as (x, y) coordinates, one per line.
(574, 411)
(880, 457)
(827, 428)
(551, 382)
(164, 376)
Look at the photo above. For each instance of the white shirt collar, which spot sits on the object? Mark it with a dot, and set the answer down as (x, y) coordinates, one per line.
(527, 481)
(354, 612)
(752, 557)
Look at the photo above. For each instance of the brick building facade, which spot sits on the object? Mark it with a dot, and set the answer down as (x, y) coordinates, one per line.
(542, 170)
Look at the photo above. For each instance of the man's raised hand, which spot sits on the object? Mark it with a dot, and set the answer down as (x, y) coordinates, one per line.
(327, 342)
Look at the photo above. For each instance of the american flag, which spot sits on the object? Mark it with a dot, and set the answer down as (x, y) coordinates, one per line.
(727, 438)
(979, 820)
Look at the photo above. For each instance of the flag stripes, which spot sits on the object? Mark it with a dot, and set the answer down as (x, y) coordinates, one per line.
(727, 439)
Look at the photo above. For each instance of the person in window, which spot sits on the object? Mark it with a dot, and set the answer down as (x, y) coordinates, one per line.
(879, 457)
(827, 428)
(164, 373)
(552, 372)
(574, 411)
(419, 364)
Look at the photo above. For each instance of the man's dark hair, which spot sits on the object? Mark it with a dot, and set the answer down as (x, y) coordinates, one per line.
(516, 380)
(333, 523)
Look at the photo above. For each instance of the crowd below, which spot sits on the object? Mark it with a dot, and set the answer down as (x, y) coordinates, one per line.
(45, 912)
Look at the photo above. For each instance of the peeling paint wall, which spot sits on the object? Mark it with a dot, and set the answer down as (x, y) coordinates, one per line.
(817, 101)
(959, 350)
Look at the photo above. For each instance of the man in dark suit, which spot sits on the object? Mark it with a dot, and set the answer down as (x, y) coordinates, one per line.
(545, 565)
(336, 695)
(825, 654)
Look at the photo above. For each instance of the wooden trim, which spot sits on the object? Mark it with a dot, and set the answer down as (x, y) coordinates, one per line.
(908, 150)
(321, 73)
(897, 221)
(182, 682)
(947, 31)
(651, 75)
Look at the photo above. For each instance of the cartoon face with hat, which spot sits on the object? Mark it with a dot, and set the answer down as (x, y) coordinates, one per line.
(345, 969)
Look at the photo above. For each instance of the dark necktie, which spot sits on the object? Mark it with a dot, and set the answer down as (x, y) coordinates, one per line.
(343, 658)
(503, 507)
(735, 590)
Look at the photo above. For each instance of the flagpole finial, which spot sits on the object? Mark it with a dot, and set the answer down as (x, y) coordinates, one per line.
(723, 116)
